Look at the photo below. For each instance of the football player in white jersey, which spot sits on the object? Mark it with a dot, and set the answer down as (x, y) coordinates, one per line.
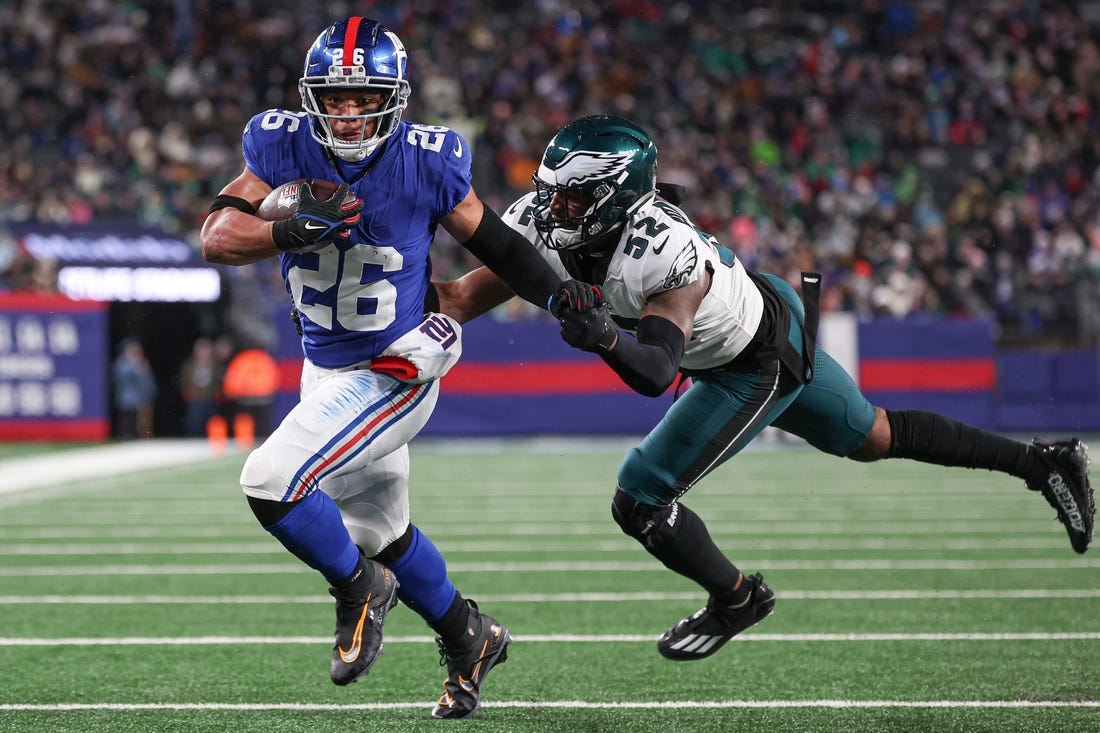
(667, 299)
(331, 483)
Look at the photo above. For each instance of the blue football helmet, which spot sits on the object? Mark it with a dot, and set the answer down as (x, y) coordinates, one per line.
(355, 54)
(609, 165)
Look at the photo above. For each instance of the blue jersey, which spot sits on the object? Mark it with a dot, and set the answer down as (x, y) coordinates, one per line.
(357, 297)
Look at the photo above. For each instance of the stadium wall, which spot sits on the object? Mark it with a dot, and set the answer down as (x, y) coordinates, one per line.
(519, 378)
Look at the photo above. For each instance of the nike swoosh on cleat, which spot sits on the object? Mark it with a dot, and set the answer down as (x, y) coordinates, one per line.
(350, 655)
(465, 684)
(475, 673)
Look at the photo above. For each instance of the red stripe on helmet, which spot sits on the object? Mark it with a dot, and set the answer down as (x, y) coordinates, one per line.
(349, 39)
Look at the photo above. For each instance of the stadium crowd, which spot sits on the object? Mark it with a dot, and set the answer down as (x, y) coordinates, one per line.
(924, 156)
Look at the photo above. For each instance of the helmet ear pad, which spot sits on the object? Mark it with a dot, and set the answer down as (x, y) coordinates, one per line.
(624, 199)
(619, 204)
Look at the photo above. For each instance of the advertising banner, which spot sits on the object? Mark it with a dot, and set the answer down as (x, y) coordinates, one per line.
(53, 369)
(121, 262)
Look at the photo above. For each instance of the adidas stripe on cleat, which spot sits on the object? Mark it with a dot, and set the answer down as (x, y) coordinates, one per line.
(708, 629)
(1067, 489)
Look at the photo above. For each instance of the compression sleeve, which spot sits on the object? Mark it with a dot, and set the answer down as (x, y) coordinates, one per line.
(225, 201)
(513, 259)
(650, 364)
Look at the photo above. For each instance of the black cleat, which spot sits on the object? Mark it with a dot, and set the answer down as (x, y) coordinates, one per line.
(361, 607)
(468, 665)
(708, 629)
(1067, 488)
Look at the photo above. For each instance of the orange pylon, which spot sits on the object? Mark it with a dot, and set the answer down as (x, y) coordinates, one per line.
(217, 432)
(244, 430)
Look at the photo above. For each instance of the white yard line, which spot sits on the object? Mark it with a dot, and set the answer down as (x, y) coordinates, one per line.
(627, 597)
(539, 639)
(161, 540)
(564, 566)
(567, 704)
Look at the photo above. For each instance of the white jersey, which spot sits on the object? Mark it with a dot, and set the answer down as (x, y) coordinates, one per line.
(660, 249)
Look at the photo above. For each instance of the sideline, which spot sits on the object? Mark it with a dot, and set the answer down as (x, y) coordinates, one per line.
(112, 459)
(50, 469)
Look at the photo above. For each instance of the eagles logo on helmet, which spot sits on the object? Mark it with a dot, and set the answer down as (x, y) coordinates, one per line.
(608, 160)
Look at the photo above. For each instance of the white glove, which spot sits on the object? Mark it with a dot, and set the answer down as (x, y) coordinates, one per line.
(425, 353)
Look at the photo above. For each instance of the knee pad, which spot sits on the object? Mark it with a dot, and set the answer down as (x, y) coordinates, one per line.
(653, 526)
(262, 476)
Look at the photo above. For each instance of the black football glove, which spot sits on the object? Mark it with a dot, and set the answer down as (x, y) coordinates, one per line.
(592, 330)
(316, 224)
(574, 295)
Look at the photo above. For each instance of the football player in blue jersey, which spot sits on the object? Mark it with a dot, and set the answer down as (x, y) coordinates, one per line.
(668, 300)
(331, 482)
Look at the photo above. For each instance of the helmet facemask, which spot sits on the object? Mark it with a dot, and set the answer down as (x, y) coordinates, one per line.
(595, 174)
(601, 212)
(386, 118)
(377, 65)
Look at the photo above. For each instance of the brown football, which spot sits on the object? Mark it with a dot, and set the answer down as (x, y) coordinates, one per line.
(282, 202)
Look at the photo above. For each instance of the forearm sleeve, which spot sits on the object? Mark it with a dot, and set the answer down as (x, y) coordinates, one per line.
(650, 364)
(513, 259)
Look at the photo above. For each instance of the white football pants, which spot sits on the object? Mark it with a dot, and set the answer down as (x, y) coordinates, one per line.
(348, 437)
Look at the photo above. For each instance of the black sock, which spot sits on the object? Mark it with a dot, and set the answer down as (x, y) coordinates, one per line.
(685, 547)
(454, 626)
(363, 574)
(737, 596)
(933, 438)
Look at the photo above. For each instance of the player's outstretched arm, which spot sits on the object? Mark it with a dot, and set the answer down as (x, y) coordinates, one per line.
(503, 250)
(232, 234)
(475, 293)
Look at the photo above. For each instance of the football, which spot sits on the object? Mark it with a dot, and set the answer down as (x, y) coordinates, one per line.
(282, 202)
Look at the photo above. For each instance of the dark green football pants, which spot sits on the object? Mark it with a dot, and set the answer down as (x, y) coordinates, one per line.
(724, 410)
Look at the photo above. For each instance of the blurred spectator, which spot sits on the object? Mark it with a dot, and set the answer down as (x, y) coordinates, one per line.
(804, 131)
(135, 391)
(16, 264)
(200, 384)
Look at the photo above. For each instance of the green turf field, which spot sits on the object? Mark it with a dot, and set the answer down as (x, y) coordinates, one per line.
(910, 598)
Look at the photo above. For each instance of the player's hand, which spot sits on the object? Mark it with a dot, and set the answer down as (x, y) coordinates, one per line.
(574, 295)
(316, 224)
(592, 330)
